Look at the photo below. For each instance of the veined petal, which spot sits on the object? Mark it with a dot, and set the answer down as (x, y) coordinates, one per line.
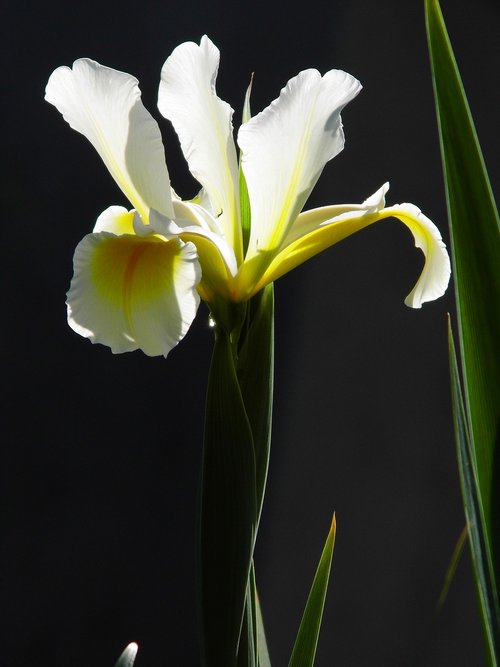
(105, 106)
(285, 148)
(133, 293)
(217, 259)
(320, 232)
(187, 97)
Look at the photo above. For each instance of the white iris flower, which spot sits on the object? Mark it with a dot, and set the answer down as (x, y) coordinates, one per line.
(139, 275)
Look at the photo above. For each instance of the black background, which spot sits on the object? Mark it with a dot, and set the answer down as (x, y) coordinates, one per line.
(101, 452)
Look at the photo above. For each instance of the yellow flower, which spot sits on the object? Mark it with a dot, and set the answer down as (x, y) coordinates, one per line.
(138, 276)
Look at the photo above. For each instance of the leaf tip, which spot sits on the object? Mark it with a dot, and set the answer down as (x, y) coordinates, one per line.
(333, 529)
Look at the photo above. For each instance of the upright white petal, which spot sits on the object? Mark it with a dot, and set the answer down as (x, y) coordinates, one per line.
(187, 97)
(131, 293)
(285, 148)
(105, 106)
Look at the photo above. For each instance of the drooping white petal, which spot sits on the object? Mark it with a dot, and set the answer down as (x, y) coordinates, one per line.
(133, 293)
(318, 229)
(435, 275)
(285, 148)
(105, 105)
(187, 97)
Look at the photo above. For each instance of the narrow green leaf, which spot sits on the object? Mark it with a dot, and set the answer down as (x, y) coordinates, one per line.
(304, 649)
(259, 652)
(263, 652)
(485, 585)
(228, 510)
(127, 658)
(248, 647)
(474, 228)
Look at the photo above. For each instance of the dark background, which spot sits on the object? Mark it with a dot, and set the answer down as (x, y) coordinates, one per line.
(101, 453)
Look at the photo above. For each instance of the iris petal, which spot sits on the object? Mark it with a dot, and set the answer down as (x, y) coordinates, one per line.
(285, 148)
(216, 256)
(187, 97)
(105, 106)
(116, 220)
(133, 293)
(321, 231)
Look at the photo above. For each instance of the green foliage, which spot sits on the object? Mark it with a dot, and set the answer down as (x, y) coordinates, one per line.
(474, 228)
(234, 471)
(470, 489)
(304, 649)
(228, 510)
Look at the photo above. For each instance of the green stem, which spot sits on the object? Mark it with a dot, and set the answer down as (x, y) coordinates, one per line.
(234, 471)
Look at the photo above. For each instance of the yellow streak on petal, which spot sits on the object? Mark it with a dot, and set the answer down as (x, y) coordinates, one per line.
(116, 220)
(311, 244)
(128, 281)
(434, 277)
(216, 278)
(129, 271)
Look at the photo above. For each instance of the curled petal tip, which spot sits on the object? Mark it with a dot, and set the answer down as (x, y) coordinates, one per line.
(435, 276)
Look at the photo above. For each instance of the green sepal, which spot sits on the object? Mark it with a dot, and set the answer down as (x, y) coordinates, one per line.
(304, 649)
(245, 211)
(228, 509)
(127, 658)
(247, 112)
